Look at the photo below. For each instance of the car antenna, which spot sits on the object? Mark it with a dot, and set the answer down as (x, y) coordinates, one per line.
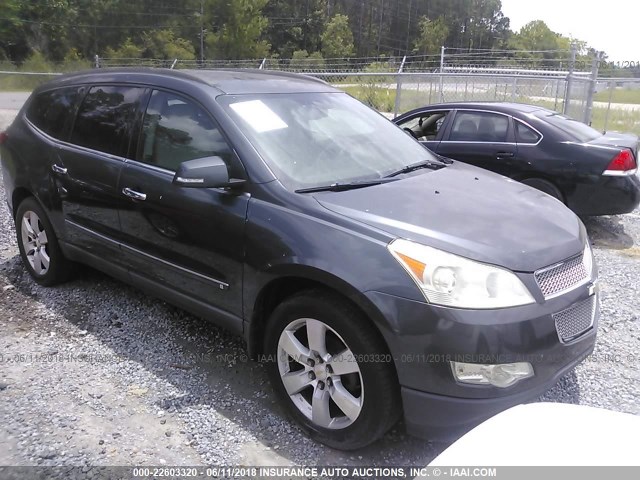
(173, 65)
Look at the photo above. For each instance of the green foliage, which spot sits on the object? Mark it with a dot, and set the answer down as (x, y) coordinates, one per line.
(164, 44)
(127, 50)
(37, 63)
(433, 35)
(301, 61)
(74, 61)
(239, 36)
(337, 39)
(243, 29)
(619, 95)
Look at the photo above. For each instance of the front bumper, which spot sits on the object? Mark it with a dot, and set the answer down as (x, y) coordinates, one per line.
(427, 338)
(442, 418)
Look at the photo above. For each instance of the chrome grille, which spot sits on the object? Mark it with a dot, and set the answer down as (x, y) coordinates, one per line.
(562, 277)
(575, 320)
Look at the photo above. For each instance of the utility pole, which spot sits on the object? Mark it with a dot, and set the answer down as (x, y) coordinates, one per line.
(406, 48)
(360, 28)
(380, 25)
(201, 32)
(306, 24)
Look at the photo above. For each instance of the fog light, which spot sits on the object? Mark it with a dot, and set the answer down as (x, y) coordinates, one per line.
(501, 375)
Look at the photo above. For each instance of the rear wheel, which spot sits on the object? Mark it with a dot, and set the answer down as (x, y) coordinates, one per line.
(331, 370)
(545, 186)
(39, 247)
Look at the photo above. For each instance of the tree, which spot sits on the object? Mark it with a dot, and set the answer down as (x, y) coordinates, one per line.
(165, 45)
(337, 39)
(295, 25)
(10, 31)
(239, 33)
(433, 35)
(535, 36)
(126, 51)
(302, 61)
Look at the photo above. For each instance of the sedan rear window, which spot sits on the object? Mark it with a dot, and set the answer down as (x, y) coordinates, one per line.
(576, 130)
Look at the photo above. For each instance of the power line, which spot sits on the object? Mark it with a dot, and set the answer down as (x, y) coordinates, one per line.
(72, 25)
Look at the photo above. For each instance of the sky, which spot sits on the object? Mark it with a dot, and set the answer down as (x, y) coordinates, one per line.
(610, 25)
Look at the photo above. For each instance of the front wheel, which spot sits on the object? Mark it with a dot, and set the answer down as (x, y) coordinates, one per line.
(331, 370)
(39, 247)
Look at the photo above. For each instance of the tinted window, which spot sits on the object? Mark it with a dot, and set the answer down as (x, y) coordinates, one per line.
(105, 117)
(176, 130)
(50, 111)
(525, 134)
(576, 130)
(479, 127)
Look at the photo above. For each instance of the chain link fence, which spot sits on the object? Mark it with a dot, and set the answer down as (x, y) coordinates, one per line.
(394, 85)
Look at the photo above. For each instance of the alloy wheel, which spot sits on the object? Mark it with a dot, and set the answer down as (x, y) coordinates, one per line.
(35, 243)
(320, 373)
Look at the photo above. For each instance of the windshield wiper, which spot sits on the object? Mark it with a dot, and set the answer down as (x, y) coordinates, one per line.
(341, 187)
(417, 166)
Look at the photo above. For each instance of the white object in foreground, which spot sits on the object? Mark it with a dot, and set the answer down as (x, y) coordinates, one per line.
(548, 434)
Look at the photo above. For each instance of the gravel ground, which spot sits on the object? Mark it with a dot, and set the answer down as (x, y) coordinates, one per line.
(101, 374)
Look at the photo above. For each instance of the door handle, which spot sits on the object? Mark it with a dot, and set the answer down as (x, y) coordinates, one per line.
(133, 194)
(502, 155)
(58, 169)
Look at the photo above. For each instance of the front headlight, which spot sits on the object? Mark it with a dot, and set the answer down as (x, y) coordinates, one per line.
(454, 281)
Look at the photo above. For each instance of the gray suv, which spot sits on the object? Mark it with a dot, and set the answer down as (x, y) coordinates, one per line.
(377, 280)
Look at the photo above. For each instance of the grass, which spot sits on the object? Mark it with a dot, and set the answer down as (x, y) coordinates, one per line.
(620, 95)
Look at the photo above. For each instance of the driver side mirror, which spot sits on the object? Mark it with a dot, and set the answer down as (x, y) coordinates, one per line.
(208, 172)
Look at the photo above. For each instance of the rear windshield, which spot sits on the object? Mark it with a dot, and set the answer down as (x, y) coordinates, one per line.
(576, 130)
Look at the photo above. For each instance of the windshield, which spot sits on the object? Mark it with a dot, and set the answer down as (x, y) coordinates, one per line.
(316, 139)
(578, 131)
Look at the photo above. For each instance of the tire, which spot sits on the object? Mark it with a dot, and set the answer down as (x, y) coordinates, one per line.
(344, 391)
(546, 187)
(39, 247)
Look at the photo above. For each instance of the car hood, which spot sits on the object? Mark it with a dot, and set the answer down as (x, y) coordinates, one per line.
(550, 434)
(470, 212)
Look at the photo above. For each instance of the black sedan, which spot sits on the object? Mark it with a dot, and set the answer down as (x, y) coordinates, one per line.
(592, 173)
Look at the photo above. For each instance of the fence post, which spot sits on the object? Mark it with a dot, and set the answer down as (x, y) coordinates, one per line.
(396, 107)
(555, 105)
(588, 111)
(612, 86)
(572, 67)
(514, 89)
(97, 61)
(441, 72)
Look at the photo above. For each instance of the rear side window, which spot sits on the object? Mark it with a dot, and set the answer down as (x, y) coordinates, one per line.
(176, 130)
(105, 118)
(479, 127)
(525, 134)
(51, 111)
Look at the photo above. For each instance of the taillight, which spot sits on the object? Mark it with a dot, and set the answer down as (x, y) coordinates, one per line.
(3, 137)
(622, 164)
